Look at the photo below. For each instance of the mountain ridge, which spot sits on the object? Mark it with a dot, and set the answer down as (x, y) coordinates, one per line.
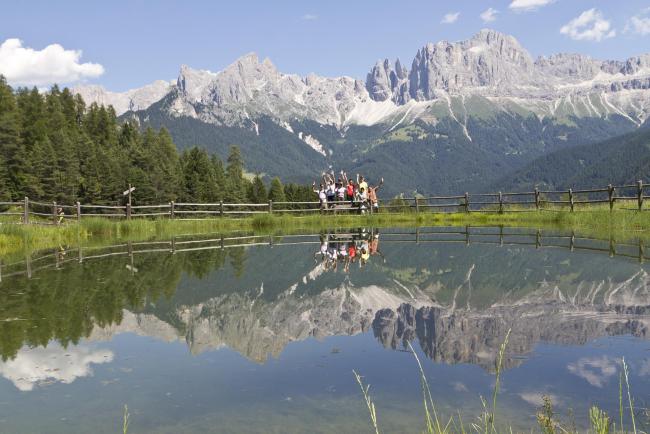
(462, 116)
(491, 63)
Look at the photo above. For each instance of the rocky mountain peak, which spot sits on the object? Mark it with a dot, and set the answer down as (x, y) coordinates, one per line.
(193, 82)
(489, 58)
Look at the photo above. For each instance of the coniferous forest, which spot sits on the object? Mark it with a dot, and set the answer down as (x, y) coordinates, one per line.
(54, 147)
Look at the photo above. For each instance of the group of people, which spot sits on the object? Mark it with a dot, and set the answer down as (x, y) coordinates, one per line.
(348, 249)
(333, 192)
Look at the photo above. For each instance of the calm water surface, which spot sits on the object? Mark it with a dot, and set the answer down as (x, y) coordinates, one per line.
(261, 334)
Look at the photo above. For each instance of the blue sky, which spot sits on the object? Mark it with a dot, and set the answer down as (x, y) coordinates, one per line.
(133, 42)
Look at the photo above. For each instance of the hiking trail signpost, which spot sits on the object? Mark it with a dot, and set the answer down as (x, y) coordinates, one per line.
(128, 205)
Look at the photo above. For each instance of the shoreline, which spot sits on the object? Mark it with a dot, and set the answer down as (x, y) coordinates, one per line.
(621, 224)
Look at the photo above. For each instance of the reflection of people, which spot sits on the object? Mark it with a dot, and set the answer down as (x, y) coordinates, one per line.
(60, 255)
(374, 246)
(348, 248)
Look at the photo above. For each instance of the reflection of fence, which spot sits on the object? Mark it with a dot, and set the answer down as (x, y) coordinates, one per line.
(496, 236)
(536, 200)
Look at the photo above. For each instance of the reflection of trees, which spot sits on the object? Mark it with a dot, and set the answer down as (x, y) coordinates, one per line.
(201, 263)
(66, 304)
(237, 260)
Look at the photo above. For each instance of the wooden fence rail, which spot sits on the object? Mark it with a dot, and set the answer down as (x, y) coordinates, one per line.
(538, 200)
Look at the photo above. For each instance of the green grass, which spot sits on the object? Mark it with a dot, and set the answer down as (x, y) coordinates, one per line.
(594, 220)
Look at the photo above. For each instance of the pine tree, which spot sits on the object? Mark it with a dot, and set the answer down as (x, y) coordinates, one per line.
(219, 177)
(64, 166)
(235, 185)
(30, 170)
(167, 179)
(11, 143)
(198, 176)
(257, 192)
(276, 191)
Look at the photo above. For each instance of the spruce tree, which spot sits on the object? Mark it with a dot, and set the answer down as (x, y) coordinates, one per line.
(11, 143)
(219, 177)
(235, 183)
(257, 192)
(276, 191)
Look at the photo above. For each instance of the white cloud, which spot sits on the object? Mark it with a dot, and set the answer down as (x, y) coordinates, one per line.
(309, 17)
(528, 5)
(639, 24)
(595, 370)
(450, 18)
(53, 64)
(489, 15)
(34, 367)
(459, 387)
(536, 399)
(589, 26)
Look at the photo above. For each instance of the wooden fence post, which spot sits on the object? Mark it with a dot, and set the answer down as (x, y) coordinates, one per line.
(500, 203)
(466, 202)
(128, 211)
(641, 251)
(26, 211)
(172, 211)
(270, 206)
(28, 265)
(417, 205)
(572, 241)
(639, 193)
(501, 235)
(467, 235)
(610, 196)
(538, 239)
(54, 220)
(536, 198)
(78, 212)
(221, 208)
(571, 198)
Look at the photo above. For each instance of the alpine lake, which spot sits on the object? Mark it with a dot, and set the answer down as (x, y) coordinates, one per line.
(235, 333)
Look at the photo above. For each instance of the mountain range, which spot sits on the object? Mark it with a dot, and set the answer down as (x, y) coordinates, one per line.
(463, 115)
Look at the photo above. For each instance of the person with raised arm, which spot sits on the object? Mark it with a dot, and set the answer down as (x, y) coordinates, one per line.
(330, 188)
(349, 188)
(372, 195)
(322, 196)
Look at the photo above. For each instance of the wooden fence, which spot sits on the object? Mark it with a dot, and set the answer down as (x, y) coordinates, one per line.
(538, 200)
(495, 236)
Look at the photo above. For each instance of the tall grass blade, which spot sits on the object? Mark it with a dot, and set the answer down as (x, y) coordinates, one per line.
(126, 420)
(433, 425)
(371, 405)
(620, 399)
(629, 395)
(499, 366)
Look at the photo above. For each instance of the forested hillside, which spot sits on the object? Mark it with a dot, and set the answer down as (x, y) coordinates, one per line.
(619, 160)
(445, 156)
(54, 147)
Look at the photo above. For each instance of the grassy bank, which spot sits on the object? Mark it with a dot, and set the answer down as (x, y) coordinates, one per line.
(622, 224)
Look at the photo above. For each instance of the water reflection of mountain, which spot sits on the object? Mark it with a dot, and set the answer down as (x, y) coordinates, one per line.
(456, 301)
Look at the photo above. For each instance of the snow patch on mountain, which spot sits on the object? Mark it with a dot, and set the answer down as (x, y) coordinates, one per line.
(312, 142)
